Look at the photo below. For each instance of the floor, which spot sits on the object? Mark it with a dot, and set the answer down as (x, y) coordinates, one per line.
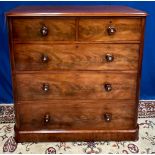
(145, 144)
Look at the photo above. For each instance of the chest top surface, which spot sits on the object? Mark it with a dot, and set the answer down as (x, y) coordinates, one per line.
(105, 10)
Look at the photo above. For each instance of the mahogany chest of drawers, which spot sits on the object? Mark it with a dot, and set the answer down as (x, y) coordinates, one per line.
(76, 72)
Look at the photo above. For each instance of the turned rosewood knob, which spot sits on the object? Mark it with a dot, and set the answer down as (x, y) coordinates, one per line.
(44, 58)
(107, 87)
(111, 30)
(107, 117)
(45, 87)
(44, 31)
(46, 118)
(109, 57)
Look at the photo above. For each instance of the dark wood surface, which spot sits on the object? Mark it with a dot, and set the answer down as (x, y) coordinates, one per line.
(96, 29)
(59, 29)
(140, 65)
(70, 86)
(75, 85)
(76, 135)
(75, 11)
(77, 115)
(88, 29)
(29, 57)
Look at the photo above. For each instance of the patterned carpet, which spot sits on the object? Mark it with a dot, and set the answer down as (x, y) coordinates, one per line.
(145, 144)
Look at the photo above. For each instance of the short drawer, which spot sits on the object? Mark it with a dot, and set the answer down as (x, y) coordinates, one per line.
(43, 29)
(36, 57)
(76, 114)
(110, 29)
(75, 85)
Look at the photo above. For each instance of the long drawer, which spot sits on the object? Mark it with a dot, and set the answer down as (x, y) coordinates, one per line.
(110, 29)
(75, 85)
(76, 114)
(76, 56)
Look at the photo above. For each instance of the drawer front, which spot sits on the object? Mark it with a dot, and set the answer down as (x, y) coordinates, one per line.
(75, 85)
(73, 114)
(110, 29)
(43, 29)
(76, 57)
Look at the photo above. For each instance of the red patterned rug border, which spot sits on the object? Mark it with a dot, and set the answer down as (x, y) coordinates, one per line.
(146, 109)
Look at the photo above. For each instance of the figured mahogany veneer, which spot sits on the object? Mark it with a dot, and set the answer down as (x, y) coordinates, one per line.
(34, 57)
(89, 115)
(58, 29)
(76, 72)
(75, 85)
(96, 29)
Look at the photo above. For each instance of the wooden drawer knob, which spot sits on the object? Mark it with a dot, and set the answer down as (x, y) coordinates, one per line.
(46, 118)
(107, 117)
(45, 87)
(109, 57)
(111, 30)
(107, 87)
(44, 58)
(44, 31)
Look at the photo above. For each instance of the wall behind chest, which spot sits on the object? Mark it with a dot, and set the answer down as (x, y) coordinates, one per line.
(147, 90)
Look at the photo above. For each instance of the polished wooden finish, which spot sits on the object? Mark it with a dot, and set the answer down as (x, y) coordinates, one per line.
(75, 85)
(97, 29)
(76, 135)
(76, 72)
(59, 29)
(34, 57)
(106, 10)
(76, 115)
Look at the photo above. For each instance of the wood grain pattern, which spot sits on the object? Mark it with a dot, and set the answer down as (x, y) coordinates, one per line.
(95, 29)
(70, 88)
(77, 115)
(102, 10)
(76, 57)
(140, 66)
(59, 29)
(75, 85)
(76, 135)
